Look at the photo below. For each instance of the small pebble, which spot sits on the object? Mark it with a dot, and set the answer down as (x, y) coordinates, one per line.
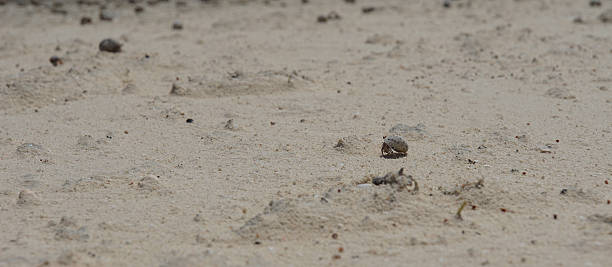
(364, 185)
(106, 15)
(110, 45)
(595, 3)
(177, 25)
(189, 120)
(368, 9)
(138, 9)
(55, 60)
(85, 20)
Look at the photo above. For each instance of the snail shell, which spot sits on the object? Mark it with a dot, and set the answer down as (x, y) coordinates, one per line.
(397, 143)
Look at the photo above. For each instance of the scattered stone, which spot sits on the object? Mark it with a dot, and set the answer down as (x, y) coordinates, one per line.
(85, 20)
(28, 197)
(349, 1)
(578, 20)
(546, 148)
(55, 60)
(107, 15)
(368, 9)
(606, 16)
(595, 3)
(110, 45)
(446, 3)
(331, 16)
(138, 9)
(177, 25)
(399, 179)
(189, 121)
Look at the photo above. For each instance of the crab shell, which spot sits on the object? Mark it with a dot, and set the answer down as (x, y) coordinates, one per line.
(395, 144)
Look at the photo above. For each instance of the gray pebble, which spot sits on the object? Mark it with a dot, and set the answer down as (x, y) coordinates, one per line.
(110, 45)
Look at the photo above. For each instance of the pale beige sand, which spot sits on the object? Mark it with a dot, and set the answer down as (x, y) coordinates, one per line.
(114, 176)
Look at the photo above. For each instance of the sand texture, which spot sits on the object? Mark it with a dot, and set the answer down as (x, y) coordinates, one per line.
(249, 133)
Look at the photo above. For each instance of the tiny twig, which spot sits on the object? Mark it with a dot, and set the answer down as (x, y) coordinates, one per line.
(458, 215)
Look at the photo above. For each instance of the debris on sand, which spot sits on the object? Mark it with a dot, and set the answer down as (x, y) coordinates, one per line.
(399, 179)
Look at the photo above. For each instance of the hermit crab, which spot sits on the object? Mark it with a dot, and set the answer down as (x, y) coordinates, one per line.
(394, 146)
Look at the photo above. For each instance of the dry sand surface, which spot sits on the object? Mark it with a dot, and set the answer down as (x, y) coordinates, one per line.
(250, 132)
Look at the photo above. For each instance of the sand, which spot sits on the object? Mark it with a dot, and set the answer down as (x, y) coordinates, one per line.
(250, 137)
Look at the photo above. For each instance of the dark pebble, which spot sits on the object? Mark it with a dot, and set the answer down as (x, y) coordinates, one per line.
(368, 9)
(55, 60)
(85, 20)
(189, 120)
(138, 9)
(177, 25)
(563, 191)
(110, 45)
(595, 3)
(349, 1)
(321, 19)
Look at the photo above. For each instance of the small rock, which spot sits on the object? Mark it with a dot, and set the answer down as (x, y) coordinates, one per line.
(55, 60)
(578, 20)
(138, 9)
(368, 9)
(595, 3)
(321, 19)
(446, 3)
(110, 45)
(364, 185)
(85, 20)
(28, 197)
(177, 25)
(189, 121)
(107, 15)
(349, 1)
(545, 148)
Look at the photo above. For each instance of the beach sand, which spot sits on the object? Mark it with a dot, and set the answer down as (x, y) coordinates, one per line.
(248, 134)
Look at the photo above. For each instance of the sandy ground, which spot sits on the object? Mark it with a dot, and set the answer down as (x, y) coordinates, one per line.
(506, 106)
